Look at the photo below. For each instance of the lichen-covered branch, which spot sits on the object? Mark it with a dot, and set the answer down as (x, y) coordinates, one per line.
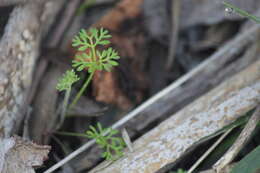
(18, 52)
(19, 49)
(172, 138)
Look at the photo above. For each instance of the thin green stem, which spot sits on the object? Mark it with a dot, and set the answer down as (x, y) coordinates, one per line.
(64, 108)
(63, 147)
(65, 103)
(94, 59)
(93, 52)
(72, 134)
(79, 94)
(242, 12)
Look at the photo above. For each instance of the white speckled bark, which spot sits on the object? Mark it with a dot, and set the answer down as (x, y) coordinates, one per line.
(169, 140)
(18, 52)
(19, 49)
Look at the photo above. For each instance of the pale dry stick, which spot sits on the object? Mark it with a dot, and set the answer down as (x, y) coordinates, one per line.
(127, 140)
(239, 143)
(228, 50)
(209, 151)
(176, 8)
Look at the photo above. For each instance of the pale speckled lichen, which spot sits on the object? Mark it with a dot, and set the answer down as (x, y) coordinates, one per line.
(6, 145)
(3, 83)
(18, 50)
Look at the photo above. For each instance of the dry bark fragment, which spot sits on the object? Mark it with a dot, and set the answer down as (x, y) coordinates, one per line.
(18, 52)
(19, 49)
(20, 156)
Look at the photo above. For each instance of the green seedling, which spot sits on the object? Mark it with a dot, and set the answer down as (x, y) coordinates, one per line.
(89, 57)
(65, 84)
(92, 58)
(105, 138)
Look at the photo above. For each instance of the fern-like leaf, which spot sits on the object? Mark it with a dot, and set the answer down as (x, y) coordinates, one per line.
(105, 138)
(95, 60)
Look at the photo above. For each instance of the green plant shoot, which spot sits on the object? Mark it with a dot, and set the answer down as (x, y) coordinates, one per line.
(241, 12)
(90, 57)
(65, 84)
(67, 80)
(105, 138)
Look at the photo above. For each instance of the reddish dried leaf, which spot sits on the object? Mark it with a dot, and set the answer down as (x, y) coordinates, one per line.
(126, 9)
(106, 90)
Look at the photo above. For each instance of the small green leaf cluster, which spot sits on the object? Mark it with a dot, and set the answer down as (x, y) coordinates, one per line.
(67, 80)
(91, 38)
(90, 57)
(105, 138)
